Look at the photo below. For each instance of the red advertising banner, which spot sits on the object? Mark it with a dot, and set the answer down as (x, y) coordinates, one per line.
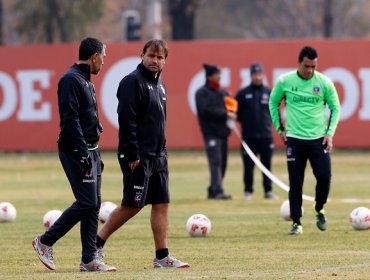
(29, 75)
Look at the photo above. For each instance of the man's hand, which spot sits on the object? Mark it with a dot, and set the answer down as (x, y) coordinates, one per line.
(328, 143)
(133, 164)
(86, 164)
(231, 115)
(283, 136)
(101, 166)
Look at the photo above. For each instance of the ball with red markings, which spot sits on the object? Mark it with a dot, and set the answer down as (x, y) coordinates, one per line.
(198, 225)
(50, 217)
(8, 213)
(360, 218)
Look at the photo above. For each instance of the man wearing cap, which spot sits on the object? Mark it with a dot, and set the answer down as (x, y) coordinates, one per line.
(254, 117)
(212, 116)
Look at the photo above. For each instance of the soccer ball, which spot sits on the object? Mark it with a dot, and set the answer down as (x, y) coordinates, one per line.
(360, 218)
(198, 225)
(8, 213)
(105, 209)
(285, 210)
(50, 217)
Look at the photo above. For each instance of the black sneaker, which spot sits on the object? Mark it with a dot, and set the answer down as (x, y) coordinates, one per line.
(296, 229)
(220, 196)
(321, 221)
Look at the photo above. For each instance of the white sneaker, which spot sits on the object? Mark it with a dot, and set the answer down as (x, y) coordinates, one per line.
(96, 265)
(248, 196)
(44, 252)
(169, 262)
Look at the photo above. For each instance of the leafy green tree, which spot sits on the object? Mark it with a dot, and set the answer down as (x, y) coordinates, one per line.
(50, 21)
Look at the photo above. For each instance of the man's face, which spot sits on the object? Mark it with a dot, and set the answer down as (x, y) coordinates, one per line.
(153, 59)
(97, 61)
(216, 77)
(257, 78)
(307, 67)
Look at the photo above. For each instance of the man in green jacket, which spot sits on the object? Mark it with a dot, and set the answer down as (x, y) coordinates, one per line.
(307, 133)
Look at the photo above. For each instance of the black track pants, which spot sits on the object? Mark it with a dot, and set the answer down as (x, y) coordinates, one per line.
(216, 149)
(298, 152)
(86, 190)
(260, 147)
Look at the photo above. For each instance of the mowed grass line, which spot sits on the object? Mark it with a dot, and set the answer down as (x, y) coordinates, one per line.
(248, 239)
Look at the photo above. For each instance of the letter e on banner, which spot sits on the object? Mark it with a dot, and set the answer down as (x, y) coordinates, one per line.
(30, 97)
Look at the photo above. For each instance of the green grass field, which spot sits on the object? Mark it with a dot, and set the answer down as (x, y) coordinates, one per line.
(248, 239)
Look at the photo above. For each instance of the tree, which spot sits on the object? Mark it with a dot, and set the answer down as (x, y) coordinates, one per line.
(182, 14)
(271, 19)
(55, 20)
(1, 23)
(328, 19)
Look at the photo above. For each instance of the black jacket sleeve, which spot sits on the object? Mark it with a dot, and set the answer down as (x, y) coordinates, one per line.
(68, 95)
(238, 97)
(128, 95)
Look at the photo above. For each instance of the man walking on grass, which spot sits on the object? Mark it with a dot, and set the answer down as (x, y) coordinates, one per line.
(142, 152)
(307, 133)
(80, 157)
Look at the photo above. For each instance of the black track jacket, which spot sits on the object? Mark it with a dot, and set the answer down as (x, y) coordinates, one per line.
(211, 110)
(141, 115)
(253, 111)
(79, 122)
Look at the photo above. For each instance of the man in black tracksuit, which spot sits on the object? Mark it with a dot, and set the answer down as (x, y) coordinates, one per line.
(212, 116)
(254, 116)
(80, 157)
(142, 151)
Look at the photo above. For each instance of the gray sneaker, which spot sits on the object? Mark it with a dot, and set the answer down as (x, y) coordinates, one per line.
(44, 252)
(270, 195)
(169, 262)
(96, 265)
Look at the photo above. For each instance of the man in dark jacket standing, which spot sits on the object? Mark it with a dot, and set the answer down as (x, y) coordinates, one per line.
(254, 116)
(80, 157)
(212, 116)
(142, 151)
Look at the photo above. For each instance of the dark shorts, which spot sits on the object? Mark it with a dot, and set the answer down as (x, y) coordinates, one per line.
(147, 184)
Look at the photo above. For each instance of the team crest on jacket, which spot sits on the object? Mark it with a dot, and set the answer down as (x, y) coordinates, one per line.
(265, 98)
(316, 89)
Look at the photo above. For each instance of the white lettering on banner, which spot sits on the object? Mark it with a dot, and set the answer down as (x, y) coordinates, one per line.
(350, 90)
(364, 75)
(245, 76)
(199, 80)
(351, 93)
(9, 91)
(29, 96)
(110, 84)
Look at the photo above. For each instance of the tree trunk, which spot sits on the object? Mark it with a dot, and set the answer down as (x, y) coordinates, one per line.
(1, 23)
(182, 14)
(328, 19)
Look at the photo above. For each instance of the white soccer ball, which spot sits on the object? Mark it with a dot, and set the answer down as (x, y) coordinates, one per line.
(198, 225)
(360, 218)
(285, 210)
(8, 213)
(50, 217)
(105, 209)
